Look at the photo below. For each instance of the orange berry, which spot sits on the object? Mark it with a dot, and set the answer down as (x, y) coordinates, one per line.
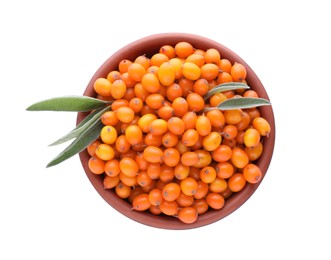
(143, 60)
(209, 71)
(208, 174)
(239, 158)
(174, 91)
(118, 89)
(201, 87)
(191, 71)
(112, 168)
(168, 50)
(195, 102)
(180, 106)
(136, 71)
(225, 65)
(252, 173)
(189, 119)
(169, 208)
(145, 121)
(141, 202)
(105, 152)
(177, 65)
(124, 65)
(190, 137)
(189, 158)
(102, 87)
(189, 186)
(183, 49)
(218, 185)
(171, 191)
(155, 101)
(176, 125)
(261, 125)
(133, 134)
(215, 200)
(224, 77)
(166, 74)
(254, 153)
(125, 114)
(211, 141)
(150, 82)
(110, 182)
(230, 132)
(188, 215)
(251, 137)
(158, 58)
(201, 206)
(166, 112)
(158, 127)
(233, 116)
(181, 171)
(238, 72)
(155, 197)
(143, 179)
(203, 125)
(96, 165)
(204, 159)
(93, 147)
(136, 104)
(236, 182)
(128, 166)
(212, 56)
(224, 170)
(171, 157)
(222, 153)
(216, 99)
(122, 190)
(153, 154)
(202, 189)
(169, 139)
(184, 200)
(109, 118)
(216, 118)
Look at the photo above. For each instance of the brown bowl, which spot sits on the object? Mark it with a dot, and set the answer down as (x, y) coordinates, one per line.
(150, 45)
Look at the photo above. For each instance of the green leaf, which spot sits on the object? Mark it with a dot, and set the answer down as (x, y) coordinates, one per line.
(68, 103)
(242, 103)
(79, 144)
(82, 126)
(225, 87)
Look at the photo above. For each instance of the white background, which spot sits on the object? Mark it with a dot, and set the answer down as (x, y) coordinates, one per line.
(52, 48)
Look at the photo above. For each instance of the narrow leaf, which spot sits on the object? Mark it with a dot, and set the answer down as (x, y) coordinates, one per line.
(225, 87)
(68, 103)
(79, 144)
(242, 103)
(82, 126)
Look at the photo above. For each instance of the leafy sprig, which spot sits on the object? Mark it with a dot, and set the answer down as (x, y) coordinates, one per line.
(89, 129)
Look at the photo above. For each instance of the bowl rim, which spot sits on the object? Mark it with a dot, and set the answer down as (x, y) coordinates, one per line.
(148, 45)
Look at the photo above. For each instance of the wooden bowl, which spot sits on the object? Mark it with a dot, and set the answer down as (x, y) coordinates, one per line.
(150, 45)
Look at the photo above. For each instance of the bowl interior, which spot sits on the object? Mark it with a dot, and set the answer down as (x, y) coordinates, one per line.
(150, 45)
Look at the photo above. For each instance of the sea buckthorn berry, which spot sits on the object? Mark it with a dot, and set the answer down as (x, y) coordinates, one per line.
(202, 189)
(136, 71)
(181, 171)
(251, 137)
(124, 65)
(222, 153)
(251, 93)
(195, 102)
(180, 106)
(189, 186)
(128, 166)
(216, 99)
(216, 118)
(201, 86)
(209, 71)
(141, 202)
(102, 87)
(203, 125)
(233, 116)
(187, 85)
(112, 168)
(110, 182)
(128, 180)
(143, 179)
(119, 103)
(224, 170)
(212, 56)
(215, 200)
(208, 174)
(218, 185)
(254, 153)
(191, 71)
(133, 134)
(150, 82)
(118, 89)
(169, 139)
(176, 125)
(143, 60)
(189, 119)
(158, 58)
(158, 127)
(155, 101)
(197, 59)
(211, 141)
(236, 182)
(204, 159)
(238, 72)
(93, 147)
(171, 191)
(252, 173)
(109, 118)
(136, 104)
(125, 114)
(189, 158)
(108, 134)
(171, 157)
(155, 197)
(184, 200)
(113, 75)
(245, 121)
(239, 158)
(169, 208)
(225, 65)
(261, 125)
(105, 152)
(145, 121)
(174, 91)
(166, 112)
(230, 132)
(190, 137)
(183, 49)
(96, 165)
(201, 206)
(167, 173)
(166, 74)
(188, 215)
(122, 190)
(153, 154)
(168, 50)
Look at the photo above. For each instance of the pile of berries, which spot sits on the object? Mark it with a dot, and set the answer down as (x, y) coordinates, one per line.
(163, 148)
